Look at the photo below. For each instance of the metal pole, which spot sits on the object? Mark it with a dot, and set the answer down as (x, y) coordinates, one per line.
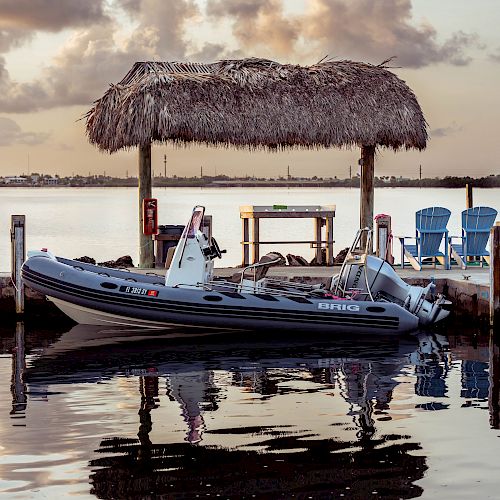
(18, 256)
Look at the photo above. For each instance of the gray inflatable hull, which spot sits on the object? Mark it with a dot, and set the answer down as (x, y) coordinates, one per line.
(101, 296)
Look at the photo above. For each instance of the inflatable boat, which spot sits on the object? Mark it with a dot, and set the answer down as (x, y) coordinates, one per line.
(367, 295)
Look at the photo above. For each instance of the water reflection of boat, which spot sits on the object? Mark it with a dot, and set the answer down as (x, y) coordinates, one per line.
(364, 372)
(282, 458)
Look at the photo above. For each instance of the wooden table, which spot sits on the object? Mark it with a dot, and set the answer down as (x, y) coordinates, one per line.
(322, 215)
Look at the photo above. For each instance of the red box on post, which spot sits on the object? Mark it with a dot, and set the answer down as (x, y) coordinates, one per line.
(150, 216)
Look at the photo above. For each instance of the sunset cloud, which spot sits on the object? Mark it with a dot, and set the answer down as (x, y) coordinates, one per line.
(495, 56)
(374, 31)
(11, 133)
(445, 131)
(168, 18)
(50, 15)
(259, 24)
(92, 58)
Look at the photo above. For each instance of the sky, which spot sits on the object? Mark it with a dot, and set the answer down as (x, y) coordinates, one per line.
(58, 56)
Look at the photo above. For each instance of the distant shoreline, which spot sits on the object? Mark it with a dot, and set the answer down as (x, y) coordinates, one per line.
(453, 183)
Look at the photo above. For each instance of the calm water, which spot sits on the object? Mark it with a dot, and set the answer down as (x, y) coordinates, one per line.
(87, 412)
(102, 223)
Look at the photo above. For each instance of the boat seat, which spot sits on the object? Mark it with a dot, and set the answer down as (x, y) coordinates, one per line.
(169, 257)
(258, 271)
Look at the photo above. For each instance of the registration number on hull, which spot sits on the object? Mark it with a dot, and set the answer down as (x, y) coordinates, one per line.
(136, 290)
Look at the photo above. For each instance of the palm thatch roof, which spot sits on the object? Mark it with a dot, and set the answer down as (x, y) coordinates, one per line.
(257, 103)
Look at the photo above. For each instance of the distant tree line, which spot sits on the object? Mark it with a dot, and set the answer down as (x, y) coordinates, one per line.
(490, 181)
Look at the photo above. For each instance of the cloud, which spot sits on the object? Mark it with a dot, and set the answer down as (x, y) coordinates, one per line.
(259, 24)
(18, 97)
(50, 15)
(12, 38)
(376, 30)
(93, 58)
(168, 18)
(11, 133)
(495, 56)
(100, 52)
(211, 52)
(446, 131)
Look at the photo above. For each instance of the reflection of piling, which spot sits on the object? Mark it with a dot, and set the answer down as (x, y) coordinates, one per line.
(494, 386)
(18, 256)
(148, 387)
(495, 276)
(18, 387)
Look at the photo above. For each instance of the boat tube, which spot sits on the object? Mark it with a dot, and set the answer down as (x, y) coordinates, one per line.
(367, 296)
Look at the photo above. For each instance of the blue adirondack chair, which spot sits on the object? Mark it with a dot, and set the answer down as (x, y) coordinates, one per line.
(476, 224)
(430, 224)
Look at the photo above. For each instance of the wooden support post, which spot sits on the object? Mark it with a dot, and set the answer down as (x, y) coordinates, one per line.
(245, 248)
(255, 241)
(495, 276)
(18, 256)
(469, 201)
(329, 239)
(318, 223)
(367, 188)
(146, 245)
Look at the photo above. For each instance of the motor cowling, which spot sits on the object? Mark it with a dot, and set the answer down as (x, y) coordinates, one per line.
(384, 284)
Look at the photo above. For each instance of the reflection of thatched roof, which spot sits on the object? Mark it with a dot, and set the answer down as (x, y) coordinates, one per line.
(287, 465)
(257, 103)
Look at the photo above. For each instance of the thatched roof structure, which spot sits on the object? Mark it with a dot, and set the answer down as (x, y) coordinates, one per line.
(257, 103)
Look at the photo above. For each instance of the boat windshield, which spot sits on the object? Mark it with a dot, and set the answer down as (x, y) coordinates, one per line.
(195, 222)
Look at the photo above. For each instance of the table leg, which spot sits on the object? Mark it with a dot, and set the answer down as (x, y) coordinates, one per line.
(318, 222)
(244, 245)
(255, 241)
(329, 239)
(159, 253)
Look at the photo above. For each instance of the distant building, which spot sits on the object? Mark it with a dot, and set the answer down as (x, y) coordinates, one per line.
(51, 181)
(15, 180)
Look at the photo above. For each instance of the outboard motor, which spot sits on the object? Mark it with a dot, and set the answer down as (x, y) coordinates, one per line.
(366, 277)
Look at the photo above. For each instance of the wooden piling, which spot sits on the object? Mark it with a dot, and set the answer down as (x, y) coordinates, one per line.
(146, 244)
(367, 187)
(469, 203)
(495, 276)
(469, 200)
(18, 256)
